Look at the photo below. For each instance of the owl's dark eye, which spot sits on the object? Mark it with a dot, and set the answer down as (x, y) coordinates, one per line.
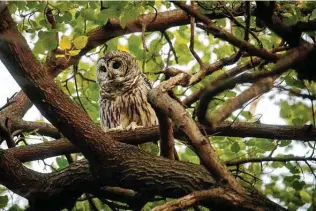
(103, 69)
(116, 65)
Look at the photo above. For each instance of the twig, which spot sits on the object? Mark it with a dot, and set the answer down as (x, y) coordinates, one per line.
(267, 159)
(51, 19)
(143, 37)
(196, 56)
(198, 197)
(75, 68)
(171, 46)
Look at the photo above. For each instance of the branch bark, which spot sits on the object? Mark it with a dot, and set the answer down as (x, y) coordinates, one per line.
(142, 135)
(160, 98)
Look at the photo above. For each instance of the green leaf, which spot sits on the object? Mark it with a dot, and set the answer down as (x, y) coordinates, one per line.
(129, 13)
(246, 114)
(74, 52)
(134, 45)
(221, 22)
(3, 201)
(298, 185)
(12, 7)
(306, 198)
(230, 94)
(313, 15)
(15, 207)
(67, 17)
(80, 42)
(62, 162)
(284, 143)
(277, 165)
(48, 40)
(298, 121)
(235, 147)
(88, 14)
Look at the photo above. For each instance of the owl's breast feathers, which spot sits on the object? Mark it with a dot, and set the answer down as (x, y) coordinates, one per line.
(120, 107)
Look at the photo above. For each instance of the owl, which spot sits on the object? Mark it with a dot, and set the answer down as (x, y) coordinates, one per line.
(123, 93)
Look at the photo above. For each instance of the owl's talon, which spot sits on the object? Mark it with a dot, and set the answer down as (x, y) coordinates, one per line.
(116, 128)
(133, 126)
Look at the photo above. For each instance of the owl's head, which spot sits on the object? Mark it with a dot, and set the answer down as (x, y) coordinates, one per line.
(116, 70)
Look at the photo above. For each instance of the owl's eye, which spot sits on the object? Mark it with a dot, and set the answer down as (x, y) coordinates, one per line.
(116, 65)
(103, 69)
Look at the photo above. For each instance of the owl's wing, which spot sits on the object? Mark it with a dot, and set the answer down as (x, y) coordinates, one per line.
(147, 81)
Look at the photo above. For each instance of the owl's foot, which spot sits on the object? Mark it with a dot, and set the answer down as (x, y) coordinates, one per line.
(120, 127)
(133, 126)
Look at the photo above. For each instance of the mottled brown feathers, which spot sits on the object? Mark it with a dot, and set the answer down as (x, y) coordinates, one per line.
(123, 92)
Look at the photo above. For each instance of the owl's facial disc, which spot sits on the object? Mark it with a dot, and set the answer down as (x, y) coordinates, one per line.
(117, 72)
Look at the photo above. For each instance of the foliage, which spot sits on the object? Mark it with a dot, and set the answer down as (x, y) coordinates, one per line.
(288, 182)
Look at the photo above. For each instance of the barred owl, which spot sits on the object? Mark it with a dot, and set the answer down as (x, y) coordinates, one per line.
(123, 93)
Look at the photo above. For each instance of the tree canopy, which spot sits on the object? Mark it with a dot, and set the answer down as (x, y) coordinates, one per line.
(211, 63)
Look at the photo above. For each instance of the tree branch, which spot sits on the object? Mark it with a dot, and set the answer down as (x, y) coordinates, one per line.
(229, 73)
(98, 36)
(226, 36)
(159, 98)
(267, 159)
(258, 88)
(142, 135)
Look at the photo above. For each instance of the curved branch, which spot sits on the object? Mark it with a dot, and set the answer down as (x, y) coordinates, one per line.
(258, 88)
(267, 159)
(160, 21)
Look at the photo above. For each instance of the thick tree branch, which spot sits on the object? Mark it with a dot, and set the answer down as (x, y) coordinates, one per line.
(142, 135)
(21, 104)
(160, 98)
